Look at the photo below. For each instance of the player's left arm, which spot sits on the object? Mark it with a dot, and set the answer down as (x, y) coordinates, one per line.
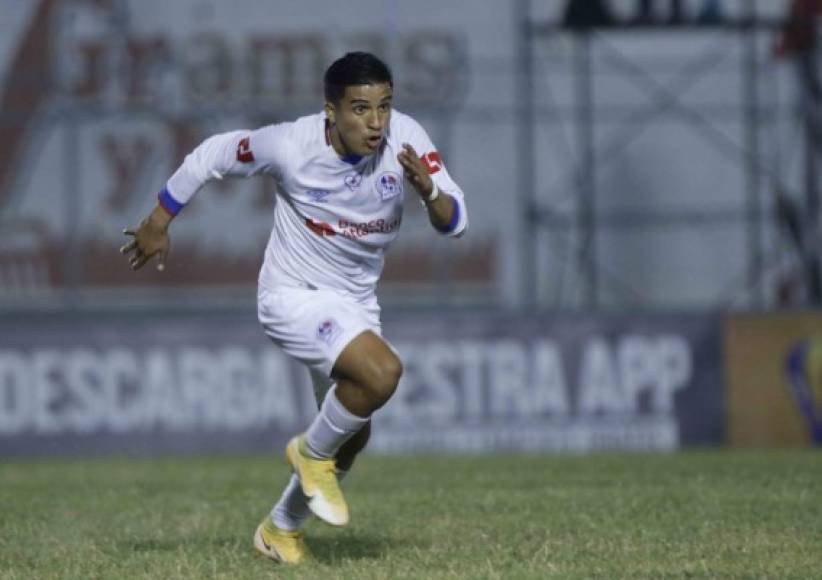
(443, 199)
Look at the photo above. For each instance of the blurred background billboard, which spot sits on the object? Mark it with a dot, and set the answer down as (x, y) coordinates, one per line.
(473, 383)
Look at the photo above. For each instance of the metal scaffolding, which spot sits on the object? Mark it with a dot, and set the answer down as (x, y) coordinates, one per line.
(770, 204)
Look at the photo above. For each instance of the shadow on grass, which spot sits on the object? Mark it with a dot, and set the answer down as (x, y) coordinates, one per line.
(330, 550)
(172, 544)
(325, 549)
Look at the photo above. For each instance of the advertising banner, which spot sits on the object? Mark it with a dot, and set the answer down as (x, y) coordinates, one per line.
(774, 376)
(472, 382)
(572, 383)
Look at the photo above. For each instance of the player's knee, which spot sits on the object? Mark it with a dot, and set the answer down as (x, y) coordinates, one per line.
(386, 377)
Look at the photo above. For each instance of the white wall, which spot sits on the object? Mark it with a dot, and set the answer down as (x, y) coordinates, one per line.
(455, 66)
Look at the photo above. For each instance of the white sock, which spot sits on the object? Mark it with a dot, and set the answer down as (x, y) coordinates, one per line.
(332, 427)
(292, 510)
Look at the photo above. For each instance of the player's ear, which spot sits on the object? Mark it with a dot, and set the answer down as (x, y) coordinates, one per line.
(330, 112)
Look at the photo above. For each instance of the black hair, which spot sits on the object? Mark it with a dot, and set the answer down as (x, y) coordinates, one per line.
(355, 68)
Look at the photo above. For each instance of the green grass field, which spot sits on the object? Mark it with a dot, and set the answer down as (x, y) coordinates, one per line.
(688, 515)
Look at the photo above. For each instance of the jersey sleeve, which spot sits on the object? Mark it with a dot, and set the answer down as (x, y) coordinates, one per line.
(432, 160)
(237, 153)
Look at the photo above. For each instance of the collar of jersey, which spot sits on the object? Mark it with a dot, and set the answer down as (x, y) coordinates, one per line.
(352, 159)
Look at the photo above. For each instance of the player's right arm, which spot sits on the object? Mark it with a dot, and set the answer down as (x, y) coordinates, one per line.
(238, 153)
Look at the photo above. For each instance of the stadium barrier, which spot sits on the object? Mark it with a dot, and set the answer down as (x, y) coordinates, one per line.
(473, 382)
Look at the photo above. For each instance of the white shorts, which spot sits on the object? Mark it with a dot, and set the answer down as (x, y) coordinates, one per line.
(314, 326)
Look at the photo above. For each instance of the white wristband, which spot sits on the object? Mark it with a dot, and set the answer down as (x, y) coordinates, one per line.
(435, 193)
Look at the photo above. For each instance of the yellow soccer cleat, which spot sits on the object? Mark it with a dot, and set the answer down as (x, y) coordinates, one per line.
(318, 478)
(281, 545)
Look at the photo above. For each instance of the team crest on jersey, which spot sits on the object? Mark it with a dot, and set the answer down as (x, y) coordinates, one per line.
(353, 180)
(328, 330)
(389, 184)
(318, 195)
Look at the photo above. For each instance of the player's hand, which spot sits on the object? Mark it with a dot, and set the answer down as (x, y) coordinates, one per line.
(415, 171)
(150, 239)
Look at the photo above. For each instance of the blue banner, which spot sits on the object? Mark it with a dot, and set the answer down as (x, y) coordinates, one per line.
(473, 382)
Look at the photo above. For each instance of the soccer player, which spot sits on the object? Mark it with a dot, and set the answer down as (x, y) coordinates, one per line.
(341, 177)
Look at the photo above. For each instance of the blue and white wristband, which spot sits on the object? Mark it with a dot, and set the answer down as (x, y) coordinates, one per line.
(455, 218)
(168, 203)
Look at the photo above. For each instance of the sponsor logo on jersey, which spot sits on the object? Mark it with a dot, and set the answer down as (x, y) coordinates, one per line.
(432, 161)
(356, 230)
(389, 185)
(328, 330)
(244, 153)
(322, 229)
(318, 195)
(353, 180)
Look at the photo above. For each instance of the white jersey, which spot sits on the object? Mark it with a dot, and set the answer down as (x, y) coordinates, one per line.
(334, 217)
